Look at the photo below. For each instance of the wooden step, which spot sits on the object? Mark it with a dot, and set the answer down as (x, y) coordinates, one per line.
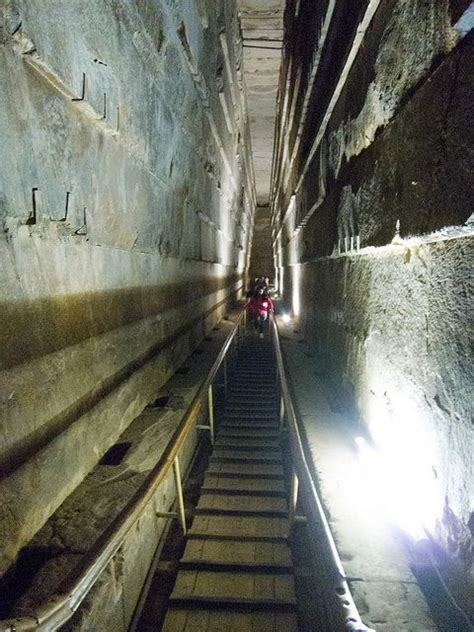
(248, 418)
(253, 443)
(251, 414)
(235, 588)
(251, 376)
(243, 504)
(255, 369)
(253, 380)
(243, 401)
(269, 424)
(242, 395)
(252, 392)
(256, 456)
(236, 553)
(264, 393)
(236, 431)
(250, 405)
(258, 528)
(197, 620)
(243, 469)
(243, 385)
(254, 373)
(235, 485)
(265, 366)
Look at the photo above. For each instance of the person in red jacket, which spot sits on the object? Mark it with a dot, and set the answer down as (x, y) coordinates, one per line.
(259, 306)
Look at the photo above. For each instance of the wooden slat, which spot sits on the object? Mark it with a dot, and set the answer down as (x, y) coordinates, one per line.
(224, 442)
(253, 589)
(240, 527)
(242, 485)
(259, 456)
(185, 620)
(237, 431)
(263, 470)
(241, 503)
(246, 552)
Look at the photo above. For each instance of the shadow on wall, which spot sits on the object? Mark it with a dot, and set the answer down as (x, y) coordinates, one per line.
(30, 329)
(22, 451)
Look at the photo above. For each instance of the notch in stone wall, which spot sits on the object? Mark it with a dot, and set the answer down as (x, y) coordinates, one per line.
(83, 89)
(33, 216)
(115, 454)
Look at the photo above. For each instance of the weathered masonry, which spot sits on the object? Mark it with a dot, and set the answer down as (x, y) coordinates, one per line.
(155, 157)
(371, 199)
(127, 205)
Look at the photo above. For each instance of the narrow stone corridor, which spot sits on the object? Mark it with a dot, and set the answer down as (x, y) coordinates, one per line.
(158, 156)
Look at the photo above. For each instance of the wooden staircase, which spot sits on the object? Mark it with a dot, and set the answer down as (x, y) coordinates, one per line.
(236, 572)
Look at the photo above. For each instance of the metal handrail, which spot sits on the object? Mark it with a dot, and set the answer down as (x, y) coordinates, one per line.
(61, 606)
(347, 612)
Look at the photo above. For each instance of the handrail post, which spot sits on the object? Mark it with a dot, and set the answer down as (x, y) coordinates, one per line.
(179, 493)
(210, 405)
(282, 412)
(235, 345)
(274, 334)
(293, 496)
(225, 375)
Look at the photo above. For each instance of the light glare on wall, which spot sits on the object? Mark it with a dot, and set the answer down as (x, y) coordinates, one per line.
(296, 289)
(397, 471)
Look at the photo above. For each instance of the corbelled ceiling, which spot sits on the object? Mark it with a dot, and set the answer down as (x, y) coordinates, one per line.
(262, 28)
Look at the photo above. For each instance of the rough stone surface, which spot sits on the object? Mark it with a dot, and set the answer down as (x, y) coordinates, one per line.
(261, 256)
(393, 337)
(378, 154)
(372, 553)
(380, 158)
(392, 341)
(127, 204)
(126, 209)
(89, 509)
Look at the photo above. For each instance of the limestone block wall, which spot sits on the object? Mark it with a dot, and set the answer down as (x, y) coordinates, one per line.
(371, 200)
(261, 256)
(392, 338)
(126, 208)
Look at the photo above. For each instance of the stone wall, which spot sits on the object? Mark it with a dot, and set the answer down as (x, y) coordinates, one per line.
(126, 208)
(70, 533)
(370, 211)
(261, 256)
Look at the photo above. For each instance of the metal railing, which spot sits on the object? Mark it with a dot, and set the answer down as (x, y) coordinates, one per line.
(344, 615)
(61, 606)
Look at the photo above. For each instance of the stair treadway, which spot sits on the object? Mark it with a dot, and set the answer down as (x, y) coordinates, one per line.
(236, 573)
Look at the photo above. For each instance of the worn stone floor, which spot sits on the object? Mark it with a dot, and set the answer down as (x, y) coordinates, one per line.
(371, 549)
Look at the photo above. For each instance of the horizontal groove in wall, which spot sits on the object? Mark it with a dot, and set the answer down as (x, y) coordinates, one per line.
(39, 440)
(398, 247)
(77, 317)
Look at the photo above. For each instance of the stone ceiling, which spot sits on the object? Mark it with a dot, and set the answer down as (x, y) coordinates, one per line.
(262, 29)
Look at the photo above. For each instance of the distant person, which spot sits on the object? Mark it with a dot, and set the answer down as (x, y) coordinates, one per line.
(253, 288)
(260, 306)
